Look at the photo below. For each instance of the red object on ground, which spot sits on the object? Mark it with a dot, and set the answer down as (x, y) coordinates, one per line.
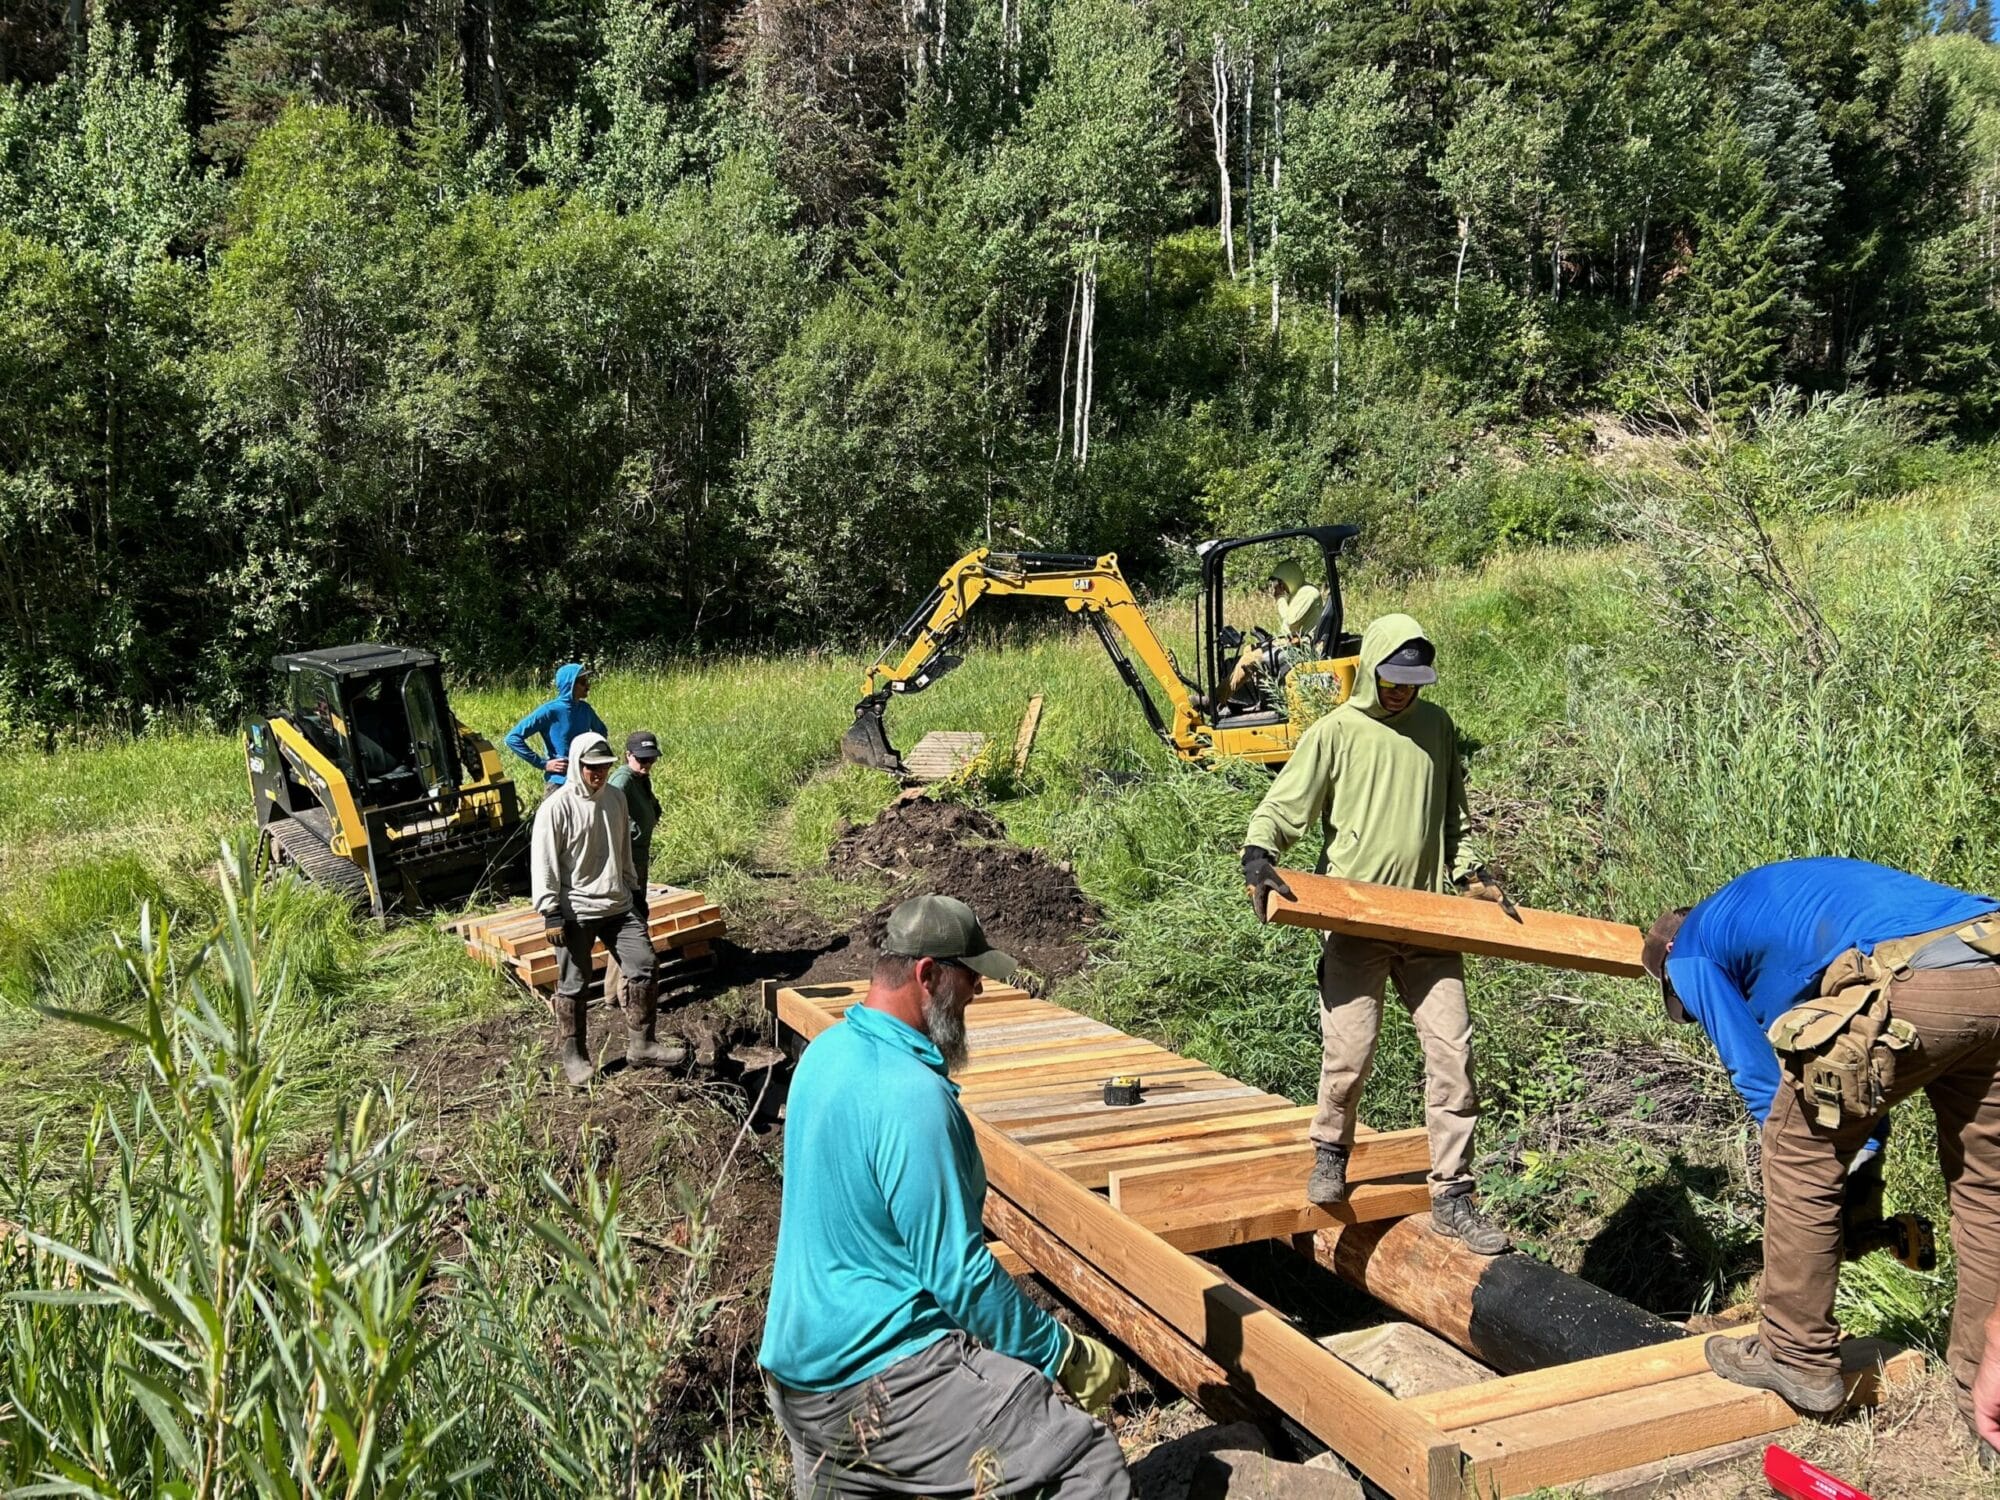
(1795, 1479)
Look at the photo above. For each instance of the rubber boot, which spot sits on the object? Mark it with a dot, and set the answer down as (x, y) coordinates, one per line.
(573, 1040)
(643, 1049)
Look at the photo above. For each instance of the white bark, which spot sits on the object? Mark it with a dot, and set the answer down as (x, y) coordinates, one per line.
(1458, 274)
(1062, 381)
(1339, 285)
(1218, 122)
(1277, 162)
(1249, 114)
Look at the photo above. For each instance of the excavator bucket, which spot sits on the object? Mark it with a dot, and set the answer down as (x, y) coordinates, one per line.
(866, 742)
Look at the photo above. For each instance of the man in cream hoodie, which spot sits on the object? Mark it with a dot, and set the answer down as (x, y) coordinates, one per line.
(1381, 776)
(583, 881)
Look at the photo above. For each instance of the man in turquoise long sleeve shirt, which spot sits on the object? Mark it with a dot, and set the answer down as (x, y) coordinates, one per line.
(900, 1358)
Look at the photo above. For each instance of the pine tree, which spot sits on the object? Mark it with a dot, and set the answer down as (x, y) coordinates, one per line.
(1781, 132)
(1734, 297)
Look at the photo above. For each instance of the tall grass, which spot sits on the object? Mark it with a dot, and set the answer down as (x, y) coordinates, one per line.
(185, 1319)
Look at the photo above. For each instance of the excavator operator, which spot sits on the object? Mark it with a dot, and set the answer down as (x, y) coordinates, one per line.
(1299, 608)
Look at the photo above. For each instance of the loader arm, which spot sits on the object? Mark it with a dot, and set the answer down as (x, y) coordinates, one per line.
(920, 653)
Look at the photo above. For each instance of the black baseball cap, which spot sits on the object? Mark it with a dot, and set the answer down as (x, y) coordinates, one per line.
(944, 927)
(642, 744)
(1410, 664)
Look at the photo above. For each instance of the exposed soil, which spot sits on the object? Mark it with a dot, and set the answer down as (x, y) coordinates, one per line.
(1029, 904)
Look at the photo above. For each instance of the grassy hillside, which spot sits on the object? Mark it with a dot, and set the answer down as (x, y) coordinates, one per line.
(1645, 724)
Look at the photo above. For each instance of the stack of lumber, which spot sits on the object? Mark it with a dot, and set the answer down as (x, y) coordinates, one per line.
(942, 754)
(1106, 1202)
(682, 924)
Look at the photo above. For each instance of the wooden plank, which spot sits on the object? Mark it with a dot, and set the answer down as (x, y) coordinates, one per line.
(543, 969)
(1519, 1454)
(1107, 1122)
(1269, 1171)
(1245, 1221)
(1275, 1115)
(1010, 1259)
(1458, 925)
(998, 1060)
(1093, 1169)
(1157, 1344)
(1199, 1090)
(1024, 737)
(1246, 1337)
(1559, 1385)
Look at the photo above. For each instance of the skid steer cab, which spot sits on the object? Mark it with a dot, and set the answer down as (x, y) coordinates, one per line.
(1195, 713)
(364, 782)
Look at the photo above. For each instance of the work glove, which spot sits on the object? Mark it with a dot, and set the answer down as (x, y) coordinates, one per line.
(1260, 873)
(1481, 886)
(1092, 1374)
(552, 928)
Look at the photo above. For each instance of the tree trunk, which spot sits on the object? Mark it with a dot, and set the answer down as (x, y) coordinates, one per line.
(1277, 161)
(1218, 122)
(1062, 381)
(1339, 285)
(1249, 111)
(1458, 273)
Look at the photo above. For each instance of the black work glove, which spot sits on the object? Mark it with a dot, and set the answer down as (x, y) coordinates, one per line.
(553, 930)
(1260, 873)
(1481, 886)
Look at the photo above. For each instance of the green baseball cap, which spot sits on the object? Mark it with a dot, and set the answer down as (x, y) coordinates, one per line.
(944, 927)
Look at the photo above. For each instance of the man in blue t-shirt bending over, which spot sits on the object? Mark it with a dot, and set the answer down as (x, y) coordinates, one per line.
(899, 1358)
(1762, 945)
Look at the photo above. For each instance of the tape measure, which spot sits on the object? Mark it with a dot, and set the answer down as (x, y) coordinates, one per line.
(1124, 1089)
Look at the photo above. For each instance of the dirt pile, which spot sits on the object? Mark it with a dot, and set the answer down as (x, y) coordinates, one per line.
(1029, 904)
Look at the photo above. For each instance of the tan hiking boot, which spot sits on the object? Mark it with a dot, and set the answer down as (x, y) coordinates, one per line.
(1747, 1361)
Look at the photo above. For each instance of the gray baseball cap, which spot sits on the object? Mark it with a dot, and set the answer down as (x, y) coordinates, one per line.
(944, 927)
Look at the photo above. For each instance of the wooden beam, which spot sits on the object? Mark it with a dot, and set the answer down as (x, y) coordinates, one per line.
(1264, 1172)
(1398, 1450)
(1559, 1385)
(1024, 738)
(1458, 925)
(1117, 1124)
(1009, 1258)
(1157, 1345)
(1560, 1445)
(1277, 1216)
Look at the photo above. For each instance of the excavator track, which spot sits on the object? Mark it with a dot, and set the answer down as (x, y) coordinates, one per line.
(299, 847)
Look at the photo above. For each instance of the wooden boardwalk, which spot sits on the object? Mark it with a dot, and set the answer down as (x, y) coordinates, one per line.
(1106, 1202)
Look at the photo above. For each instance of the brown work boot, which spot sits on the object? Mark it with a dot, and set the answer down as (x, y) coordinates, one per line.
(1747, 1361)
(643, 1049)
(1327, 1187)
(573, 1041)
(1459, 1217)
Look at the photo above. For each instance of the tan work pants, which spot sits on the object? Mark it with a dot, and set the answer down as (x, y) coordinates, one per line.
(1957, 1016)
(1354, 973)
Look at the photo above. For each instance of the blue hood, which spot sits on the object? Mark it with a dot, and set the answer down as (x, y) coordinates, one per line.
(566, 676)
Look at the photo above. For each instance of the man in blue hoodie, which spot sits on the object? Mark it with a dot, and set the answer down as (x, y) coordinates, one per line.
(1861, 962)
(558, 722)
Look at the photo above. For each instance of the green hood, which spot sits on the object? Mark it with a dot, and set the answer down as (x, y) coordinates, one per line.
(1381, 638)
(1291, 575)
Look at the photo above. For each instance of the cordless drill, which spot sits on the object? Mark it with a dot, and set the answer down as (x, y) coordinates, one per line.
(1908, 1237)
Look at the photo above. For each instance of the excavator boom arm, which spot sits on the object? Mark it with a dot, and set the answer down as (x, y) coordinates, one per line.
(919, 653)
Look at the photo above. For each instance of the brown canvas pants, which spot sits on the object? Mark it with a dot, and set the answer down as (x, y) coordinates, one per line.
(1354, 974)
(1956, 1013)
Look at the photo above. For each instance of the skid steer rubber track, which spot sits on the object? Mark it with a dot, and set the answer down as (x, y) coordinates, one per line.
(298, 847)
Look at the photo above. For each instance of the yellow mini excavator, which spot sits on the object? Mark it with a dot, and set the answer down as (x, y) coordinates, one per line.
(365, 782)
(1196, 722)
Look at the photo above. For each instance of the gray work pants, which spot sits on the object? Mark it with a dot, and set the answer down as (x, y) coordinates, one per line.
(951, 1420)
(624, 938)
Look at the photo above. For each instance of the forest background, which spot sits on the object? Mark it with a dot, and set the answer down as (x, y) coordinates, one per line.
(530, 329)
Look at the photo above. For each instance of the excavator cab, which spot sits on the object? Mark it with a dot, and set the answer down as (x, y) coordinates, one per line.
(1185, 711)
(1290, 678)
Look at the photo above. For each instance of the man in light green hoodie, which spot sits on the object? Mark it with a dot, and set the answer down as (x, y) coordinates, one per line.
(1381, 775)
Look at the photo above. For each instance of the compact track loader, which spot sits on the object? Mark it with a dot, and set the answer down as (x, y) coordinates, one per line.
(1194, 722)
(365, 782)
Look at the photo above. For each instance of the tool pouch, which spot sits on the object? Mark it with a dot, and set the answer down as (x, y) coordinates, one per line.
(1842, 1044)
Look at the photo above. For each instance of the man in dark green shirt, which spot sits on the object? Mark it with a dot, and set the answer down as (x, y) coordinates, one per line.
(635, 780)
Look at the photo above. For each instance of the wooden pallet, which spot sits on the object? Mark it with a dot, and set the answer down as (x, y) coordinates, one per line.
(683, 925)
(1105, 1202)
(942, 754)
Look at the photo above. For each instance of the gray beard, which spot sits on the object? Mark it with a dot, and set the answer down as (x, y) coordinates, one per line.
(944, 1024)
